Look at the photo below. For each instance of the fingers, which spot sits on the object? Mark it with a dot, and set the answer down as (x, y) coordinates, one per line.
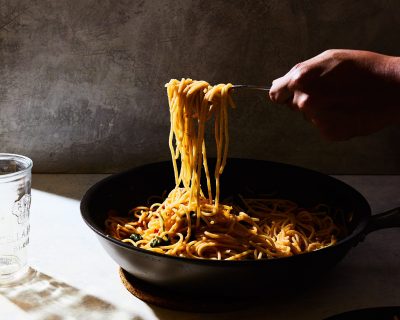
(279, 91)
(303, 77)
(335, 92)
(299, 79)
(282, 89)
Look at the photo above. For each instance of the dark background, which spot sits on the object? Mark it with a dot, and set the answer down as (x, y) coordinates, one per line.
(82, 81)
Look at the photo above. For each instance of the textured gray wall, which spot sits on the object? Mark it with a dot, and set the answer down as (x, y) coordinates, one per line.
(81, 86)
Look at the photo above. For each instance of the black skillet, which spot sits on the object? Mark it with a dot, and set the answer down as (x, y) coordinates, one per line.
(381, 313)
(123, 191)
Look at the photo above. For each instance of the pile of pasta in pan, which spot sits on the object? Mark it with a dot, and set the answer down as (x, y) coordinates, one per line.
(191, 221)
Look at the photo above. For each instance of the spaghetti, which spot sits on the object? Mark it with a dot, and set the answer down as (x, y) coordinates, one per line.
(194, 224)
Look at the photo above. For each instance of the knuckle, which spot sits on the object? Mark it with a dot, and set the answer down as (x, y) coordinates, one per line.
(298, 66)
(328, 52)
(304, 102)
(331, 53)
(298, 76)
(275, 82)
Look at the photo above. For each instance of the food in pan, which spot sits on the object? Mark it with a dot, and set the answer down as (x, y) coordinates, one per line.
(192, 221)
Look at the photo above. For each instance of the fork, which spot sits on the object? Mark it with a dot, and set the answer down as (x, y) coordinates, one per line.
(250, 86)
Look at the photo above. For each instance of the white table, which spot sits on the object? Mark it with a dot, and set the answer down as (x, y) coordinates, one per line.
(76, 279)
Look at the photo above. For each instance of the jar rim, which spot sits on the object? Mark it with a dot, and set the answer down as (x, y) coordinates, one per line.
(25, 162)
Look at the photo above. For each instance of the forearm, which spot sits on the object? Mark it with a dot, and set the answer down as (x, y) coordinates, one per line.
(386, 91)
(392, 70)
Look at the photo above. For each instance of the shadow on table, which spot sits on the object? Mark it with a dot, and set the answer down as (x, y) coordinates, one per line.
(71, 186)
(46, 298)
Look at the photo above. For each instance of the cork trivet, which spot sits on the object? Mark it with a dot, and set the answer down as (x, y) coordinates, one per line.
(164, 298)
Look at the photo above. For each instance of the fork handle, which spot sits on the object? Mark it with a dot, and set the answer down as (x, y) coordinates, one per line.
(250, 86)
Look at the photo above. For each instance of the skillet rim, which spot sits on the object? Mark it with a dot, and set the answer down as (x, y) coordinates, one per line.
(354, 237)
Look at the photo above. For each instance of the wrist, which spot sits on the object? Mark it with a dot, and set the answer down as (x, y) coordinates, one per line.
(390, 70)
(387, 71)
(392, 74)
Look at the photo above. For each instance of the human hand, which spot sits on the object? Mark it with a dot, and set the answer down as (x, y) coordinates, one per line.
(344, 93)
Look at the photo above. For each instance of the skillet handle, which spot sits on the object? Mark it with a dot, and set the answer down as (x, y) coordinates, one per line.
(388, 219)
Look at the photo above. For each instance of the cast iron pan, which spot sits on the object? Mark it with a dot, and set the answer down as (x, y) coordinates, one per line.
(123, 191)
(378, 313)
